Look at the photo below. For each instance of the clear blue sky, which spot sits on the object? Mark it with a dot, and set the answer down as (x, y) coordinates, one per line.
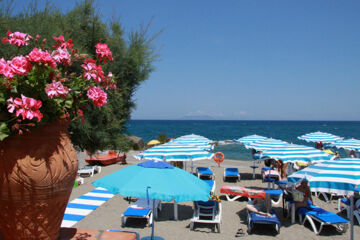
(233, 59)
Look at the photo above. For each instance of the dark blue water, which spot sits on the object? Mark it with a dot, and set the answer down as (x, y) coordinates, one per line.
(229, 130)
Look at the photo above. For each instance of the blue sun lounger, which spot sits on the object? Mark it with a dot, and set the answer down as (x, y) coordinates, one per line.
(140, 209)
(232, 173)
(322, 216)
(204, 172)
(254, 218)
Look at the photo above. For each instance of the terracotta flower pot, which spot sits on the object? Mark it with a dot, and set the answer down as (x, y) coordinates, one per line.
(37, 173)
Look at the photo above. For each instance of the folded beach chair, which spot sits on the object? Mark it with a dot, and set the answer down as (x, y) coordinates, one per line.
(234, 192)
(313, 213)
(204, 172)
(255, 218)
(141, 209)
(89, 171)
(212, 185)
(344, 203)
(207, 212)
(232, 173)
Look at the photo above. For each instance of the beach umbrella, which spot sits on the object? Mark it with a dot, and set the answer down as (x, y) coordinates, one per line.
(193, 137)
(250, 139)
(200, 142)
(348, 144)
(339, 176)
(265, 144)
(320, 137)
(296, 153)
(155, 180)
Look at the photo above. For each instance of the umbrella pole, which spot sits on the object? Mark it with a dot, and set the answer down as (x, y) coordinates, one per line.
(352, 217)
(175, 210)
(153, 220)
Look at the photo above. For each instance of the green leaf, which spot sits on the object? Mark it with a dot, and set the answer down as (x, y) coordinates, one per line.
(68, 103)
(4, 131)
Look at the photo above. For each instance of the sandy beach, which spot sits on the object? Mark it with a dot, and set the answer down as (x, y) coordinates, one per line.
(108, 216)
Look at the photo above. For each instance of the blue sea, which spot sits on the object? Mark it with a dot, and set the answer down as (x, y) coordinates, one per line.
(218, 130)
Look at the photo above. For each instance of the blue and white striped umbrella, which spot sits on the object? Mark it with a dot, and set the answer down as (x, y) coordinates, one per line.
(174, 152)
(296, 153)
(196, 143)
(250, 139)
(194, 137)
(320, 137)
(265, 144)
(349, 144)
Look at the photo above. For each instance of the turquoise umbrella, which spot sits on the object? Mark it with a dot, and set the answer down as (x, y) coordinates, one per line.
(163, 181)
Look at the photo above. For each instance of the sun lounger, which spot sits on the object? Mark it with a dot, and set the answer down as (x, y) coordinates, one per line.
(234, 192)
(212, 185)
(255, 218)
(313, 213)
(141, 209)
(207, 212)
(232, 173)
(271, 173)
(89, 171)
(204, 172)
(346, 202)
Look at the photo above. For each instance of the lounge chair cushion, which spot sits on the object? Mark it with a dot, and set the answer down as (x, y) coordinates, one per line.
(231, 172)
(141, 212)
(204, 171)
(258, 218)
(322, 214)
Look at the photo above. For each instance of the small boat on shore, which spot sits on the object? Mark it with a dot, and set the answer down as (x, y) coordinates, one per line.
(111, 158)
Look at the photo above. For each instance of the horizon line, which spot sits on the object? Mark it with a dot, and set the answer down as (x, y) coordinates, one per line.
(148, 119)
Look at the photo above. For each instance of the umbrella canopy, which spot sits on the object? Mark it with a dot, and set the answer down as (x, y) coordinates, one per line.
(153, 142)
(348, 144)
(339, 176)
(296, 153)
(320, 137)
(250, 139)
(199, 144)
(193, 137)
(166, 183)
(174, 152)
(266, 144)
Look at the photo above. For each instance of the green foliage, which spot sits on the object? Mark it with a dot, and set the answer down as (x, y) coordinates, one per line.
(162, 138)
(133, 59)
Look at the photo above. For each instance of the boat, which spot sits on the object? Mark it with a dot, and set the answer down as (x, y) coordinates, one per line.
(107, 159)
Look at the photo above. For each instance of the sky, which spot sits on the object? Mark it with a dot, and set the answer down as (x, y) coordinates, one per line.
(246, 60)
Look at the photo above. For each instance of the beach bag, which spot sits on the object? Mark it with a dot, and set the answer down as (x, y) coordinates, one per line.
(298, 196)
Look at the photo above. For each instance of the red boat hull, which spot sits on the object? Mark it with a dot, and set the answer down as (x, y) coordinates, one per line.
(106, 159)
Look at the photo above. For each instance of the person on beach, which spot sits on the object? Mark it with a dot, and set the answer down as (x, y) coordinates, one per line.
(319, 145)
(282, 169)
(305, 189)
(336, 156)
(259, 206)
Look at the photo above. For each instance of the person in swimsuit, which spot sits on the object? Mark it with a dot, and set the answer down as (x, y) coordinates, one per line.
(305, 189)
(259, 206)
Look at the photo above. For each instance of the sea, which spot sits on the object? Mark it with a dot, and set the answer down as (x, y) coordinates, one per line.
(221, 130)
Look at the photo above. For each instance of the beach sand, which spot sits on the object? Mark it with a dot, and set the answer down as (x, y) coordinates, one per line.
(108, 216)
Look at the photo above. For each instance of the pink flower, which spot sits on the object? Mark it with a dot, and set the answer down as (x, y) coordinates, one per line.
(27, 107)
(98, 96)
(17, 38)
(56, 89)
(20, 65)
(92, 71)
(39, 56)
(60, 42)
(103, 52)
(61, 55)
(5, 69)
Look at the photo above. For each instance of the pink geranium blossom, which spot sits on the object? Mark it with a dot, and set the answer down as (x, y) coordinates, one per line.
(27, 107)
(20, 65)
(39, 56)
(61, 55)
(92, 71)
(103, 52)
(5, 69)
(98, 96)
(108, 82)
(56, 89)
(17, 38)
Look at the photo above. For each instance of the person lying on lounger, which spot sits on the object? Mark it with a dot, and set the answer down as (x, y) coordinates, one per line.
(260, 206)
(305, 189)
